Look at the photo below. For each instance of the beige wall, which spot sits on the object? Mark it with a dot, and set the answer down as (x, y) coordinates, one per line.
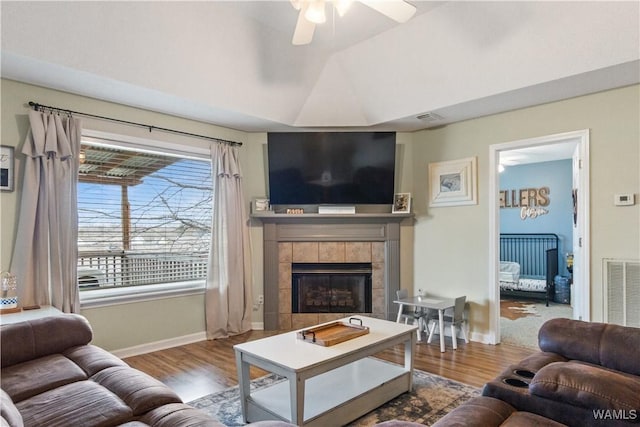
(116, 326)
(254, 167)
(445, 250)
(451, 243)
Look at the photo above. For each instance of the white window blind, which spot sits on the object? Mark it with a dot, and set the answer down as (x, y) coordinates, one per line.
(144, 217)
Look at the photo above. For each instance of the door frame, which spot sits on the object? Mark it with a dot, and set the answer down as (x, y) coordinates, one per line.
(582, 291)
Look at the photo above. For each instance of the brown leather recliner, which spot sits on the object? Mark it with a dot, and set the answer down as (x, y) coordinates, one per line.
(586, 374)
(51, 376)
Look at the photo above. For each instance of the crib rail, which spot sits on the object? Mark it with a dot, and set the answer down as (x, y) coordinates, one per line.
(532, 251)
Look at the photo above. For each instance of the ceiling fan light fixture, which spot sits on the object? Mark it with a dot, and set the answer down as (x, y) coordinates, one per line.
(342, 6)
(315, 12)
(312, 12)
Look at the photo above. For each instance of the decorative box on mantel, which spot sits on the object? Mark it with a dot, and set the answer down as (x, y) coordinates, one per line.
(328, 238)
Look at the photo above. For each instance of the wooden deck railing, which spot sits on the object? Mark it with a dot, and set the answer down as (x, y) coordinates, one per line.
(99, 270)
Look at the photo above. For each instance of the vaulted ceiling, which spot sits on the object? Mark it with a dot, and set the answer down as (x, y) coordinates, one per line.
(231, 63)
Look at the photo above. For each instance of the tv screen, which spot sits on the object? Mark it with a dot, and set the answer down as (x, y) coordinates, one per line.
(343, 168)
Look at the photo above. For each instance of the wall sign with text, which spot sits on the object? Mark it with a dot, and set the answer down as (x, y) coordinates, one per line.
(532, 202)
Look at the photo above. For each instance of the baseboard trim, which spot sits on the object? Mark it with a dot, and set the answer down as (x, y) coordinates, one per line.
(481, 338)
(202, 336)
(159, 345)
(169, 343)
(257, 326)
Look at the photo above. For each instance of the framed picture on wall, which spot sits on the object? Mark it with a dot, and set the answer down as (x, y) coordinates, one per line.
(259, 204)
(453, 183)
(401, 203)
(6, 168)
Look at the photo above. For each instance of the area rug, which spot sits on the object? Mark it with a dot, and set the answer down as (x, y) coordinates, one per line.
(520, 320)
(432, 397)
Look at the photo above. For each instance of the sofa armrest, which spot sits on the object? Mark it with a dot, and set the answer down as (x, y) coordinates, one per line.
(32, 339)
(539, 360)
(9, 414)
(586, 386)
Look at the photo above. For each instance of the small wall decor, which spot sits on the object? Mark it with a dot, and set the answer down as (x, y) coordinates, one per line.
(401, 203)
(9, 295)
(259, 204)
(6, 168)
(532, 202)
(453, 183)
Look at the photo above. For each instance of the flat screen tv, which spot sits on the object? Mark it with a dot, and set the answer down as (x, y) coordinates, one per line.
(336, 168)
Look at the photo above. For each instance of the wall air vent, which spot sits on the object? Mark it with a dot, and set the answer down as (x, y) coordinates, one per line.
(429, 117)
(622, 292)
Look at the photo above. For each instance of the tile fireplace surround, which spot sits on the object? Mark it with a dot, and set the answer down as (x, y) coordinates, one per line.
(309, 238)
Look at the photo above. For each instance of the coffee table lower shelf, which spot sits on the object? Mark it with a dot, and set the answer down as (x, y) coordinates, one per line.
(339, 396)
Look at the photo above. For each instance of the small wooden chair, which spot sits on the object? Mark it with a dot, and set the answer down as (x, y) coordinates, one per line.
(455, 318)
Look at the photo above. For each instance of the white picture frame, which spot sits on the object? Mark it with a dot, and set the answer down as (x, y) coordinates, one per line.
(401, 203)
(260, 204)
(453, 183)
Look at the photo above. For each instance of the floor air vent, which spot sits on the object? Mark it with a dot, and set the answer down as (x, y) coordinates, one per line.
(622, 291)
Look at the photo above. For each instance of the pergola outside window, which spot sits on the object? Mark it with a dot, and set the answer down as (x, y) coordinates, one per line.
(144, 217)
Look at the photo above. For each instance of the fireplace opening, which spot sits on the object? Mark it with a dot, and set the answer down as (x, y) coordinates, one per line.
(331, 288)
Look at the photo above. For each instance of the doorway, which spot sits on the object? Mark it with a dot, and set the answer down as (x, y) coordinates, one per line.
(572, 145)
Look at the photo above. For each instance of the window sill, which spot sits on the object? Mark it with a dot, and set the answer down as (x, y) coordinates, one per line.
(132, 294)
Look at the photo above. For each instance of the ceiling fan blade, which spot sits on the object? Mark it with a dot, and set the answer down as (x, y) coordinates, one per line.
(303, 33)
(398, 10)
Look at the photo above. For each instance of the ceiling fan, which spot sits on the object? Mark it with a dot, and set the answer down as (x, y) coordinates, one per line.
(312, 12)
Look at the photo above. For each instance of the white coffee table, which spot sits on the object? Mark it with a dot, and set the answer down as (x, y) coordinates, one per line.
(325, 385)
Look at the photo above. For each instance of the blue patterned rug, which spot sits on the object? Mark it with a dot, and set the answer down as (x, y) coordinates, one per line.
(432, 398)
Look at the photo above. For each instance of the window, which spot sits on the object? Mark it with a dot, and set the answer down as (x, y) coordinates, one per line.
(144, 217)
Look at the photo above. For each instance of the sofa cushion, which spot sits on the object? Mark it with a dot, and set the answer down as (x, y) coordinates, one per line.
(586, 386)
(137, 389)
(9, 414)
(66, 405)
(609, 345)
(41, 337)
(619, 348)
(27, 379)
(179, 415)
(389, 423)
(92, 359)
(522, 418)
(479, 411)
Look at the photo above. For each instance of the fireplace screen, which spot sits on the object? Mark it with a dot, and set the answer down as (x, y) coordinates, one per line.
(331, 288)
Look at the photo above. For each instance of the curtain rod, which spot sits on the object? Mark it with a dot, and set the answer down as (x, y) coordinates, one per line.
(41, 107)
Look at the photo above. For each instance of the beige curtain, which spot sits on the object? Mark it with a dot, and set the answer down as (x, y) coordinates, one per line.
(228, 300)
(45, 256)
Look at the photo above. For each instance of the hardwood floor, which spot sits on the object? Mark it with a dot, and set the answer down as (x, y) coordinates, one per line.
(205, 367)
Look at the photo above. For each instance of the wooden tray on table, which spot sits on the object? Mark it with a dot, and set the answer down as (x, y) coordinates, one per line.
(333, 333)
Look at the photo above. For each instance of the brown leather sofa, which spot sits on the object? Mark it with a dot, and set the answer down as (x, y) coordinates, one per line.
(586, 374)
(51, 376)
(483, 411)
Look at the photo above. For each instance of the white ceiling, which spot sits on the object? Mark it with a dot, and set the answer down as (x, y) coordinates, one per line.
(231, 63)
(540, 153)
